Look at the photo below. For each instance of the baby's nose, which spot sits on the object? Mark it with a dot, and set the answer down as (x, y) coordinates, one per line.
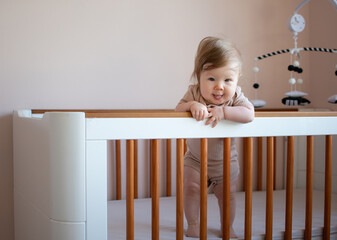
(219, 85)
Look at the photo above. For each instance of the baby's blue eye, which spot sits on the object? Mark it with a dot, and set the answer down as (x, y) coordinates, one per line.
(211, 79)
(228, 80)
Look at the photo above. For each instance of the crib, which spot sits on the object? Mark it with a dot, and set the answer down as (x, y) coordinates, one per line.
(60, 177)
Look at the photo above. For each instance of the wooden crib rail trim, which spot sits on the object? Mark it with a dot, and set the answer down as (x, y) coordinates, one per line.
(170, 113)
(122, 113)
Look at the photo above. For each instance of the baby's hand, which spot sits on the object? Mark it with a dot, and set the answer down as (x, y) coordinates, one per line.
(199, 111)
(216, 114)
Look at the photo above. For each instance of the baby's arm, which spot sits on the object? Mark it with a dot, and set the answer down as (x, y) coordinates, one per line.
(241, 114)
(198, 110)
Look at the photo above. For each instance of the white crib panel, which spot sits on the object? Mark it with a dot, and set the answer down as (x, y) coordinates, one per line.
(96, 161)
(33, 224)
(67, 165)
(49, 176)
(162, 128)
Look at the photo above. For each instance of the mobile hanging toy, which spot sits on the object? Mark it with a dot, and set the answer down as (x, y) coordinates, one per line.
(296, 24)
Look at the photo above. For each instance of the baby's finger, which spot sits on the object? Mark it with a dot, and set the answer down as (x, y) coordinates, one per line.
(201, 113)
(204, 115)
(210, 120)
(215, 122)
(201, 116)
(194, 114)
(197, 115)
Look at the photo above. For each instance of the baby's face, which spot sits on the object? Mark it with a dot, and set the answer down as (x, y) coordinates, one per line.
(218, 85)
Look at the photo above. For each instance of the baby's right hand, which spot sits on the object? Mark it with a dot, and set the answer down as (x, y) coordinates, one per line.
(199, 111)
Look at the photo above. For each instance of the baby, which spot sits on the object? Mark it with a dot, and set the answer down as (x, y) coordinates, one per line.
(214, 97)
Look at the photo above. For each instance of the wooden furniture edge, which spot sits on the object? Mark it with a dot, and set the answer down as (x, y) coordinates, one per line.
(169, 113)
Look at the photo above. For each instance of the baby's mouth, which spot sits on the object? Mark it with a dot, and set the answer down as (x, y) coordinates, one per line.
(218, 96)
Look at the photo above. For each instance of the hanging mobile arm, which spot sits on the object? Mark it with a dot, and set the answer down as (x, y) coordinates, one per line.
(327, 50)
(301, 5)
(334, 3)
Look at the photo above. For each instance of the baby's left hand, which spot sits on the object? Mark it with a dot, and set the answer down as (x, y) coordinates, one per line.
(216, 114)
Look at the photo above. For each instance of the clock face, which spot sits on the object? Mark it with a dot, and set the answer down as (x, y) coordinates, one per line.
(296, 23)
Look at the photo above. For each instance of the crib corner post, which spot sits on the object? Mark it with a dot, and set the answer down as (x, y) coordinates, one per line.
(96, 171)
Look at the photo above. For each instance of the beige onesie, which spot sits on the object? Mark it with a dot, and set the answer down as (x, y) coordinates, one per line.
(215, 145)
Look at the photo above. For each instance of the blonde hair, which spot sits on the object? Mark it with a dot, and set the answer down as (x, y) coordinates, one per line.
(214, 52)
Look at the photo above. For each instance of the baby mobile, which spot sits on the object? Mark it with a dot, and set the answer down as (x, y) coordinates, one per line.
(296, 24)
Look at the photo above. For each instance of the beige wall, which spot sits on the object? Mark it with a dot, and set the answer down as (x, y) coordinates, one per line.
(139, 54)
(323, 81)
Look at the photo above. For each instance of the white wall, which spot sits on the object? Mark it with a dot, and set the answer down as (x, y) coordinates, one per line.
(130, 54)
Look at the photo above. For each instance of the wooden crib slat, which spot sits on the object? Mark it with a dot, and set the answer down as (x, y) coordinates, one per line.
(136, 168)
(203, 189)
(118, 170)
(289, 188)
(226, 188)
(327, 197)
(274, 165)
(270, 185)
(130, 190)
(259, 162)
(244, 159)
(151, 159)
(168, 168)
(249, 189)
(309, 187)
(180, 190)
(155, 189)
